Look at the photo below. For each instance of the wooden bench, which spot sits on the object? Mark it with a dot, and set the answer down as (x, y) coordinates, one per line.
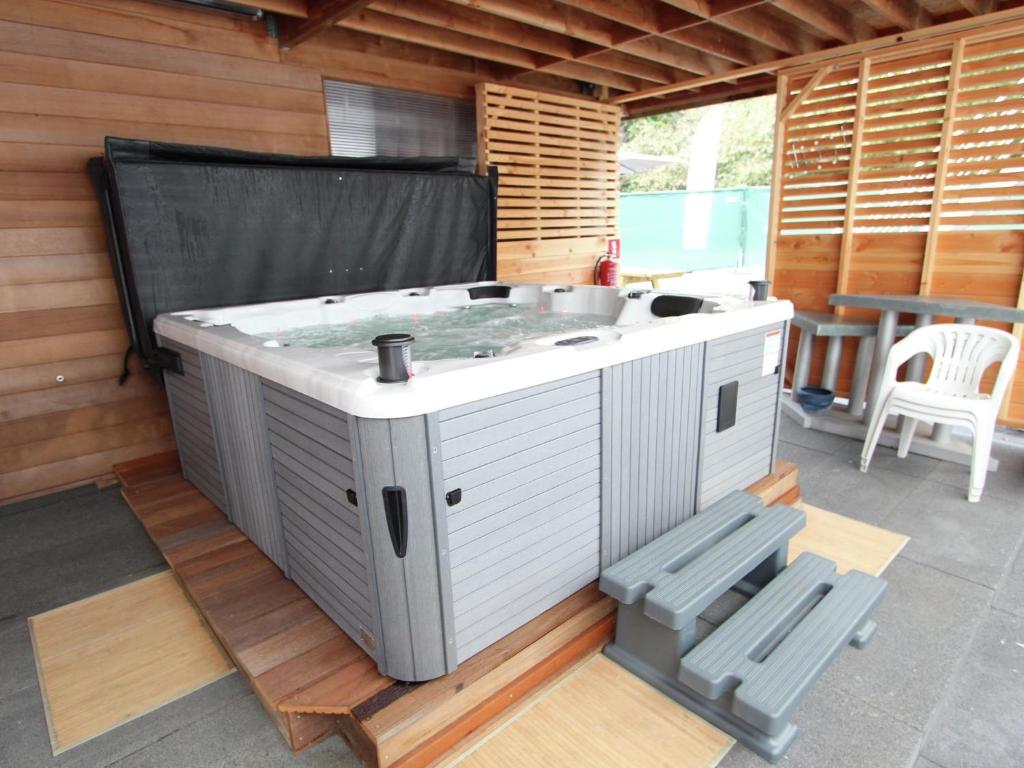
(836, 328)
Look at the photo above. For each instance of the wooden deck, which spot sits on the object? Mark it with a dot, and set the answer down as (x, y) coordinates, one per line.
(310, 677)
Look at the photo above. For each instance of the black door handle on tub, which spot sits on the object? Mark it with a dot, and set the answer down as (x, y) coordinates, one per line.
(396, 513)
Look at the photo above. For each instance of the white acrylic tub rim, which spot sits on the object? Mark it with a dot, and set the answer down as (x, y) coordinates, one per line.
(345, 378)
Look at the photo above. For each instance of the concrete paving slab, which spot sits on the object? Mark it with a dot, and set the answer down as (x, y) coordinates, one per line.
(239, 736)
(925, 625)
(18, 663)
(1010, 594)
(914, 465)
(31, 745)
(1006, 483)
(807, 459)
(38, 502)
(973, 541)
(60, 553)
(25, 739)
(792, 432)
(839, 486)
(38, 530)
(840, 731)
(981, 722)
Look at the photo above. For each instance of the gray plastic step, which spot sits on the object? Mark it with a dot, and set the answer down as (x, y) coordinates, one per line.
(635, 575)
(681, 573)
(752, 673)
(772, 651)
(678, 598)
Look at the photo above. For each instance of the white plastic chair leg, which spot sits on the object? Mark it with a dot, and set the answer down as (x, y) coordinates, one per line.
(906, 436)
(874, 432)
(979, 460)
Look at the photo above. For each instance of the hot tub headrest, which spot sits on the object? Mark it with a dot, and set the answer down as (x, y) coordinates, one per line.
(675, 306)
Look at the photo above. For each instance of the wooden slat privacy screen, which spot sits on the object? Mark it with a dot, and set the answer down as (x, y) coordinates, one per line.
(558, 187)
(904, 173)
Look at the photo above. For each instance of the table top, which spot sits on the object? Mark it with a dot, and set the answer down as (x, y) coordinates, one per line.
(930, 305)
(830, 324)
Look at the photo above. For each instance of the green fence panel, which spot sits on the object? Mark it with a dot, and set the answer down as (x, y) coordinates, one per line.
(694, 230)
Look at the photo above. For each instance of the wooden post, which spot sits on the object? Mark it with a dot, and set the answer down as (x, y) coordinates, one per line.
(1018, 331)
(778, 159)
(806, 91)
(481, 129)
(850, 217)
(948, 122)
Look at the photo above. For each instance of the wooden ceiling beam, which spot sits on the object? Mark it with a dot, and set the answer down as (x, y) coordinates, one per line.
(320, 15)
(585, 73)
(445, 15)
(920, 39)
(344, 54)
(714, 94)
(671, 54)
(651, 16)
(617, 61)
(620, 67)
(597, 30)
(659, 19)
(374, 23)
(905, 14)
(834, 21)
(554, 17)
(978, 7)
(758, 25)
(723, 43)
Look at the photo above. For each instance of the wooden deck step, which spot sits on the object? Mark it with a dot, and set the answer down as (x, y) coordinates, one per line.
(310, 677)
(278, 638)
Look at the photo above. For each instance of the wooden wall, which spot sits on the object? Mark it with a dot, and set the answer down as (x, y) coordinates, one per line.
(72, 73)
(904, 173)
(558, 197)
(75, 71)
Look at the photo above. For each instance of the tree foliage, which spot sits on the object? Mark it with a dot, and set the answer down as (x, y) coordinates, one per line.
(744, 153)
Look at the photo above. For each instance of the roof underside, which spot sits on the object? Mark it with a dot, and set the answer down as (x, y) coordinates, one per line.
(608, 48)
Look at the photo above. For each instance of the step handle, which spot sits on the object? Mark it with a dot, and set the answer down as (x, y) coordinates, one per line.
(396, 512)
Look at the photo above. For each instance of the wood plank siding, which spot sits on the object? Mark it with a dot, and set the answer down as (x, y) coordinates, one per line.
(901, 173)
(72, 73)
(75, 71)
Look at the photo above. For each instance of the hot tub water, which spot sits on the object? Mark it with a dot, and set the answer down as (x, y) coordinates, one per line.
(451, 333)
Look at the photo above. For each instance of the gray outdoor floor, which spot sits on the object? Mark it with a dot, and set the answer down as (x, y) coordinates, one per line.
(941, 684)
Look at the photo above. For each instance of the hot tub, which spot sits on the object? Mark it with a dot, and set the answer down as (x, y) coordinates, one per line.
(537, 434)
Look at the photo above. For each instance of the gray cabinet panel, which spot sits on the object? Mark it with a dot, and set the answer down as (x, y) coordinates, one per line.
(193, 429)
(743, 453)
(323, 532)
(525, 534)
(236, 400)
(651, 416)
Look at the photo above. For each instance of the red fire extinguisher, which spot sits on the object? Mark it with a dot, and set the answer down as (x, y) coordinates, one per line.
(606, 270)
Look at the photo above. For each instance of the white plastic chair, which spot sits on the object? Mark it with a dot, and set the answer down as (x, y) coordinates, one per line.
(960, 355)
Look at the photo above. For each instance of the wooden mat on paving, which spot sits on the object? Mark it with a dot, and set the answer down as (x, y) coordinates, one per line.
(853, 545)
(115, 656)
(599, 715)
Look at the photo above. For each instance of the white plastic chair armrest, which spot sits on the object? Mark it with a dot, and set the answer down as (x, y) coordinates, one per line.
(1006, 371)
(900, 353)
